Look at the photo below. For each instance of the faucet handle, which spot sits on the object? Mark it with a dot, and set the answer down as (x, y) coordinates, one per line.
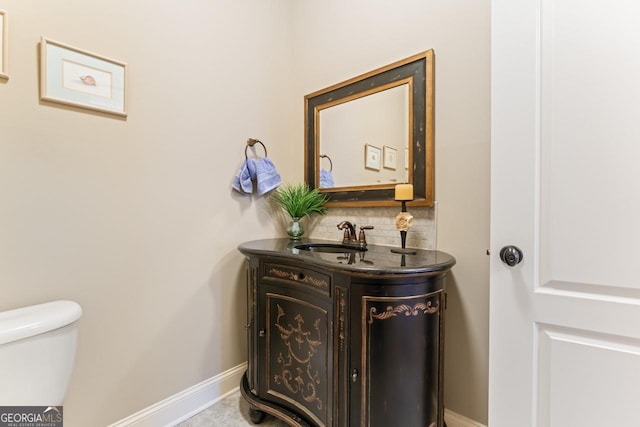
(362, 240)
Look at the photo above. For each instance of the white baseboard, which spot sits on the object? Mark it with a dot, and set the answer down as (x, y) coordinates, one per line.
(193, 400)
(456, 420)
(187, 403)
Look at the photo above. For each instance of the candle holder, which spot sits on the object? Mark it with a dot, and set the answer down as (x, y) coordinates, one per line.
(404, 221)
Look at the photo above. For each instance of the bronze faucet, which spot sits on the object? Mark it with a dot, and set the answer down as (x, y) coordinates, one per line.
(349, 232)
(349, 237)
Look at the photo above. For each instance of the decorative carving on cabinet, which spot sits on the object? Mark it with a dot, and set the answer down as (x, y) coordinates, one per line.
(426, 308)
(296, 373)
(298, 277)
(341, 317)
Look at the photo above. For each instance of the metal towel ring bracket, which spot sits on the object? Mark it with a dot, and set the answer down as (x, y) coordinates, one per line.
(250, 143)
(324, 156)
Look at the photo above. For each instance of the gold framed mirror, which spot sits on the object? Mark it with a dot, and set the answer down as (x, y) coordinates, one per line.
(367, 134)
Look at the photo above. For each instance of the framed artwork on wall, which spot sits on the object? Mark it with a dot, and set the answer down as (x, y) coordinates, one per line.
(4, 45)
(372, 157)
(75, 77)
(390, 157)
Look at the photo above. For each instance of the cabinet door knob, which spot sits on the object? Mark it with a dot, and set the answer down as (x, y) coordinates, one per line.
(262, 332)
(354, 375)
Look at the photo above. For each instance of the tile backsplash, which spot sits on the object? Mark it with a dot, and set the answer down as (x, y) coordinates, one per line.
(421, 235)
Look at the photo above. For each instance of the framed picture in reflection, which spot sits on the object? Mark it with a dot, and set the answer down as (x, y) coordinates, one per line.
(390, 157)
(372, 157)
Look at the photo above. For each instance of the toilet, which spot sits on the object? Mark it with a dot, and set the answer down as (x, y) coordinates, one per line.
(37, 353)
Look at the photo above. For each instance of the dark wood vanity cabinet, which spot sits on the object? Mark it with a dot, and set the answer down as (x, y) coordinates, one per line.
(345, 339)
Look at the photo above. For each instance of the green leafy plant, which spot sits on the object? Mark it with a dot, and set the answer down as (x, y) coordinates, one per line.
(298, 200)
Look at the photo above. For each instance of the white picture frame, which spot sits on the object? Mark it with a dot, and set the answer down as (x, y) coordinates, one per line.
(79, 78)
(4, 45)
(372, 157)
(406, 158)
(390, 157)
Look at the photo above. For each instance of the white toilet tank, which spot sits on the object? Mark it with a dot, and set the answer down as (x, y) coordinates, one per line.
(37, 353)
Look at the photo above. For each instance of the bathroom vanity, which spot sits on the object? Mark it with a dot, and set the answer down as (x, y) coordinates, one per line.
(341, 336)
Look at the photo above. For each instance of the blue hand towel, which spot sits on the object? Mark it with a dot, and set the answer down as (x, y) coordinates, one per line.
(267, 177)
(242, 182)
(326, 179)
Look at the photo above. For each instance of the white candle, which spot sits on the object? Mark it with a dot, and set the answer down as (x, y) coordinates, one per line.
(404, 192)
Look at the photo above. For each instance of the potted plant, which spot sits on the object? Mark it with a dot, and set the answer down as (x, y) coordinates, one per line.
(299, 200)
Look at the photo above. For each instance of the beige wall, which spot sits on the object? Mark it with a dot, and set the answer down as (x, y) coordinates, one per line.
(135, 219)
(336, 40)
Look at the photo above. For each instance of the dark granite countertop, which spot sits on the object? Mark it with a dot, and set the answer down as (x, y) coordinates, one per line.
(377, 259)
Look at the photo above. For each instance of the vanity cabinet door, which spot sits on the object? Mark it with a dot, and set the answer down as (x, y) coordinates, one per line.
(397, 337)
(295, 350)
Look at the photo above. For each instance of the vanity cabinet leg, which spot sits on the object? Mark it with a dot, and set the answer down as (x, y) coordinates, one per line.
(256, 416)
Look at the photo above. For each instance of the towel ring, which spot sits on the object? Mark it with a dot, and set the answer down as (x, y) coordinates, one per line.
(324, 156)
(250, 143)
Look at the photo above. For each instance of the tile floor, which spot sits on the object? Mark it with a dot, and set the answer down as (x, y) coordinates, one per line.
(232, 411)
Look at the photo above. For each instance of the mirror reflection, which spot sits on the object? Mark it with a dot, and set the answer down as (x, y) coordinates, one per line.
(366, 140)
(369, 133)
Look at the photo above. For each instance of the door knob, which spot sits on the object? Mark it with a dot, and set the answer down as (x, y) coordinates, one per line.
(511, 255)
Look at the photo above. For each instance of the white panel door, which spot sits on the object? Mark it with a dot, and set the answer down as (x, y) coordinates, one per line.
(565, 184)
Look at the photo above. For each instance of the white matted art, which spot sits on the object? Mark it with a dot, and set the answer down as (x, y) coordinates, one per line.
(72, 76)
(372, 157)
(390, 157)
(4, 45)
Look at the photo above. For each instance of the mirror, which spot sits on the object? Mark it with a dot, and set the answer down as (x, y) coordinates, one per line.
(381, 121)
(367, 134)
